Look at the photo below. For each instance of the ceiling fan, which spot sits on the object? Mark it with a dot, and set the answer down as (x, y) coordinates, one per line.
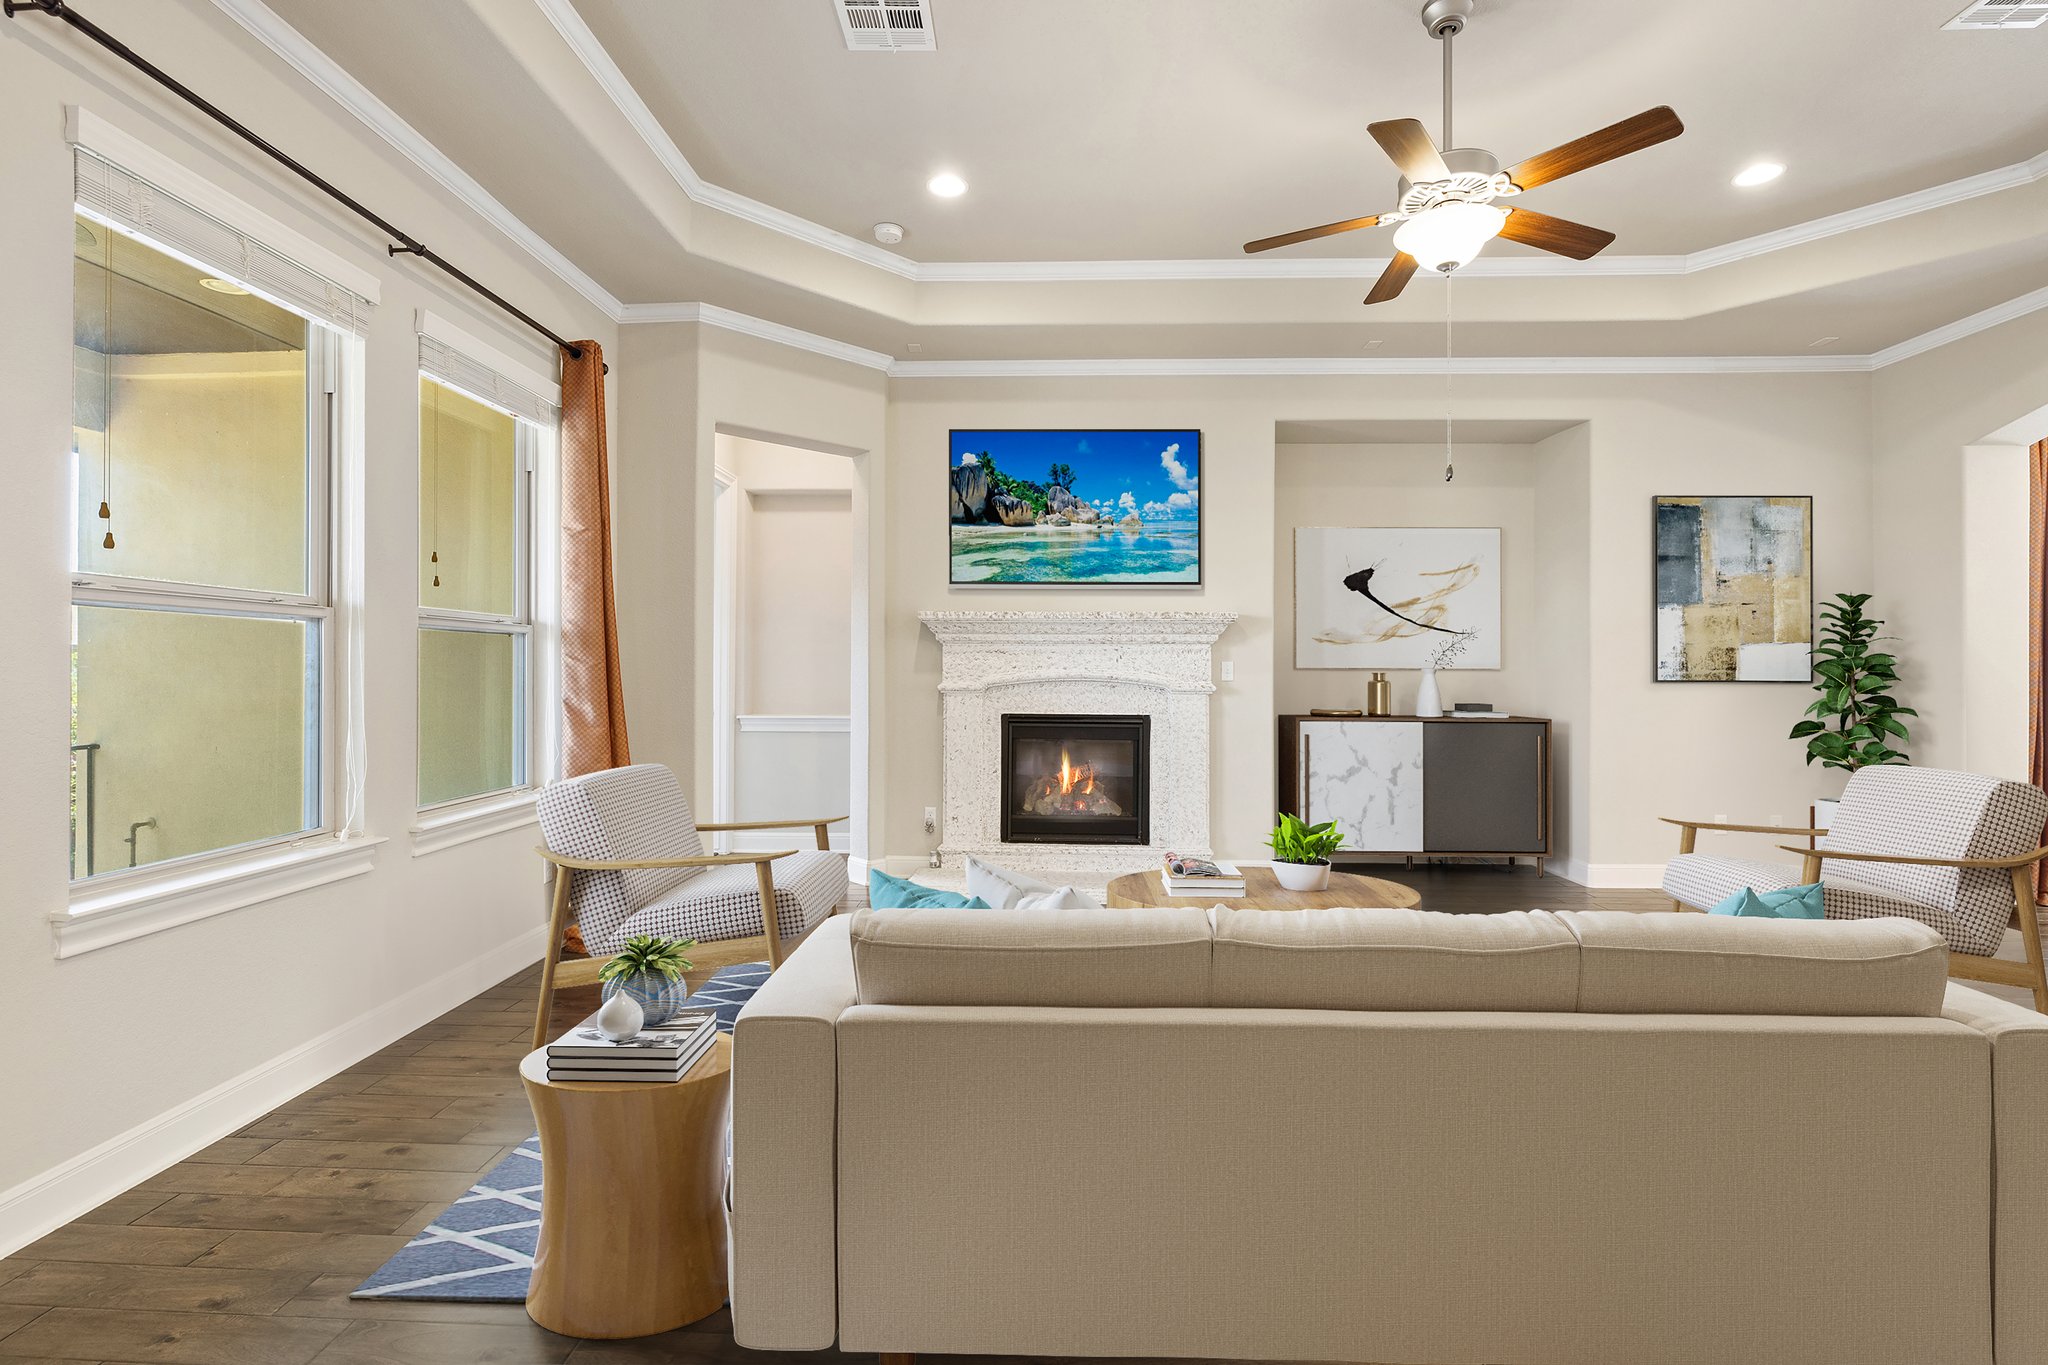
(1446, 198)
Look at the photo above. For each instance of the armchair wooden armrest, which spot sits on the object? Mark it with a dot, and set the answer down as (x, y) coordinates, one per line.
(1816, 855)
(819, 824)
(633, 864)
(1689, 831)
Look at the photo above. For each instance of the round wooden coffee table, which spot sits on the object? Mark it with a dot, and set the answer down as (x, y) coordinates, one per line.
(1262, 891)
(632, 1199)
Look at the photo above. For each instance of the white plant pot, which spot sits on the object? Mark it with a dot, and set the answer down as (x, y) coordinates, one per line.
(1302, 876)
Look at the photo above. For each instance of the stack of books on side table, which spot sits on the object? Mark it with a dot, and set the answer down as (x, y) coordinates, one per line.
(664, 1052)
(1186, 875)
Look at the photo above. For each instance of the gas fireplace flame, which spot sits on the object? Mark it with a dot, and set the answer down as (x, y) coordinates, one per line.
(1071, 790)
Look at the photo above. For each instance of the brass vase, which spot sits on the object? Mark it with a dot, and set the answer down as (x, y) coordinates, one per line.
(1379, 696)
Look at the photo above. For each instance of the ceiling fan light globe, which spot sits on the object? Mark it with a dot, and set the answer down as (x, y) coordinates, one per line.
(1451, 234)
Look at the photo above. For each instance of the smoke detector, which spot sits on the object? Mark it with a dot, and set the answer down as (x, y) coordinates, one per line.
(888, 234)
(1994, 14)
(887, 25)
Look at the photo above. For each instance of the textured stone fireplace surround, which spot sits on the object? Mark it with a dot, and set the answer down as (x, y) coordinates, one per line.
(1151, 663)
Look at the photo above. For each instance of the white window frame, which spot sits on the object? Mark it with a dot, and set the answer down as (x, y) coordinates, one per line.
(117, 905)
(474, 816)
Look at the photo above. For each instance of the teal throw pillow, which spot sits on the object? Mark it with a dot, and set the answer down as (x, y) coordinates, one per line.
(1794, 902)
(900, 893)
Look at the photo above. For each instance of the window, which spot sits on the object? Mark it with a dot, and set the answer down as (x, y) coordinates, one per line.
(475, 594)
(202, 418)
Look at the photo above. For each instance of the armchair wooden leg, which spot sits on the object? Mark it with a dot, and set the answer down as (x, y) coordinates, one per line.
(764, 876)
(2030, 932)
(558, 918)
(1809, 869)
(824, 835)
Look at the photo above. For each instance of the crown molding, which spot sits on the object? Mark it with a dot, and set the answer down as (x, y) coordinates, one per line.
(711, 315)
(1995, 315)
(1310, 366)
(337, 84)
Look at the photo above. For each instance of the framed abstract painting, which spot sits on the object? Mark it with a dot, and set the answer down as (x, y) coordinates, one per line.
(1095, 508)
(1734, 589)
(1393, 596)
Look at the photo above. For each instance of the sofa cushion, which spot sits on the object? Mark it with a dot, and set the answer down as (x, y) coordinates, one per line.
(1101, 958)
(1393, 960)
(1633, 963)
(890, 893)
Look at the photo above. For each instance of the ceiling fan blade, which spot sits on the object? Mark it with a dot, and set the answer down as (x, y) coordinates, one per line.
(1646, 129)
(1409, 144)
(1310, 234)
(1393, 279)
(1560, 235)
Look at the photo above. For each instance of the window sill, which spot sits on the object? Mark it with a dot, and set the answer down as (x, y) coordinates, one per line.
(102, 916)
(448, 826)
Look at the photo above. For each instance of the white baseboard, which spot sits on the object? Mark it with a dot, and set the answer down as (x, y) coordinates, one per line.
(1623, 876)
(48, 1201)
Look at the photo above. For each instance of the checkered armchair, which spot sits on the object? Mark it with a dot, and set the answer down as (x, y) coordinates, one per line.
(629, 859)
(1956, 851)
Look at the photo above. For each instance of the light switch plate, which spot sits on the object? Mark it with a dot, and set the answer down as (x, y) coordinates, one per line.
(1229, 671)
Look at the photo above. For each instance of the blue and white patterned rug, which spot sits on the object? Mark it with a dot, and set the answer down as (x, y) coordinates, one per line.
(480, 1248)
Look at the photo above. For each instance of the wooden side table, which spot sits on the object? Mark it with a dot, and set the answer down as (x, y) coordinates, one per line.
(632, 1205)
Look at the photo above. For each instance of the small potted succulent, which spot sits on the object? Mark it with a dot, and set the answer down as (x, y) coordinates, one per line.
(651, 971)
(1301, 852)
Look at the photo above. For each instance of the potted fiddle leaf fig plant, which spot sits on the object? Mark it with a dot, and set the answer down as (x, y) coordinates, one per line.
(650, 970)
(1856, 718)
(1301, 852)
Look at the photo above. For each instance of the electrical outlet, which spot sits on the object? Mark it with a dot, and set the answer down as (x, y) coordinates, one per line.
(1229, 671)
(931, 819)
(1722, 818)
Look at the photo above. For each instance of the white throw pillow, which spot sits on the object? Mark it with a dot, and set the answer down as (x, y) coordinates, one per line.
(1001, 889)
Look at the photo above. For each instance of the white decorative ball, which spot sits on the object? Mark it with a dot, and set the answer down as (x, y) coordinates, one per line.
(620, 1017)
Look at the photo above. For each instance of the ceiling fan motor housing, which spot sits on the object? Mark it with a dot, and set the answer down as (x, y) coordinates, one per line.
(1475, 178)
(1446, 18)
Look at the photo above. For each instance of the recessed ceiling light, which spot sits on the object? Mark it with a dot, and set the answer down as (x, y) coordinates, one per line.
(946, 185)
(221, 286)
(1762, 173)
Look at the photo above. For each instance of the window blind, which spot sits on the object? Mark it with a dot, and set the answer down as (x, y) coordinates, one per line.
(106, 191)
(443, 362)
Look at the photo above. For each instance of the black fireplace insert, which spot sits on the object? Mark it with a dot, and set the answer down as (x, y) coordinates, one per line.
(1070, 779)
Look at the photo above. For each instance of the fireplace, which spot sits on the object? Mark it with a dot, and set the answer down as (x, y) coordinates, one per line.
(1073, 779)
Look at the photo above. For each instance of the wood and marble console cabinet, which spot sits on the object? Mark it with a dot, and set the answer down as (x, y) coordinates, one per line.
(1422, 786)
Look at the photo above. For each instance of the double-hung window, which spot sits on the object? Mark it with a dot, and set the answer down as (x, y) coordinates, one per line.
(203, 650)
(480, 438)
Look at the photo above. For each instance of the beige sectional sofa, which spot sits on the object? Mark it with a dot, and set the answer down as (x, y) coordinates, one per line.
(1393, 1136)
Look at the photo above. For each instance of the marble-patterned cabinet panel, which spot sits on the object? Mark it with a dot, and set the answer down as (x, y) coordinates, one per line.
(1368, 778)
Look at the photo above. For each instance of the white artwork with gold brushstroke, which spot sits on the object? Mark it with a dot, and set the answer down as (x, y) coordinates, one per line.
(1393, 596)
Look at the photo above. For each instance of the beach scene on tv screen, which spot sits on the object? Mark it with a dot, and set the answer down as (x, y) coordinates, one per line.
(1078, 507)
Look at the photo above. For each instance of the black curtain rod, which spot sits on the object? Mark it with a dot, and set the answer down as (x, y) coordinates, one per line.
(407, 244)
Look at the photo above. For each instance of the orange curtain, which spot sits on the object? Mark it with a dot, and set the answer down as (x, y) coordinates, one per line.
(2037, 633)
(593, 700)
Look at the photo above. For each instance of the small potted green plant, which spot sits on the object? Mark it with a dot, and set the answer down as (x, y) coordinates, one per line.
(1301, 852)
(1855, 683)
(651, 971)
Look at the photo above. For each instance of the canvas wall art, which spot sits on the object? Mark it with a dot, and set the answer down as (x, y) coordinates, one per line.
(1392, 596)
(1075, 508)
(1734, 585)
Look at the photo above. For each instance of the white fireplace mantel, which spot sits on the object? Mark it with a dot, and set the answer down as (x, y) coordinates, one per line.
(1149, 663)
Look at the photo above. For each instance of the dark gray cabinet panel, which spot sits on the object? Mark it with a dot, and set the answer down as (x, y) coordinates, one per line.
(1484, 787)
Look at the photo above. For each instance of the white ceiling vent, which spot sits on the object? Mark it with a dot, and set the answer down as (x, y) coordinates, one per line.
(887, 25)
(1989, 14)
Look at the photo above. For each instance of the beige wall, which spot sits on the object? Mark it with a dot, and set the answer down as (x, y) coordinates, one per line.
(1995, 618)
(238, 1004)
(1659, 748)
(1925, 412)
(795, 588)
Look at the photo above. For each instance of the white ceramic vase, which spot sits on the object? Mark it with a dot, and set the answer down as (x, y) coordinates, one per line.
(1302, 876)
(620, 1017)
(1428, 701)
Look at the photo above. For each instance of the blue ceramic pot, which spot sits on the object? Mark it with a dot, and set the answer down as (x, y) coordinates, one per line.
(659, 997)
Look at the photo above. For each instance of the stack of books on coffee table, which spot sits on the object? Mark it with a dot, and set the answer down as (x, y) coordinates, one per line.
(1186, 875)
(665, 1052)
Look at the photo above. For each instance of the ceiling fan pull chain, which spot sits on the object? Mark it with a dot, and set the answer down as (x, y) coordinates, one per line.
(1449, 471)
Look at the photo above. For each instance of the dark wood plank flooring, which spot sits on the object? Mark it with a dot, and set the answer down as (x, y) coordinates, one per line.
(245, 1253)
